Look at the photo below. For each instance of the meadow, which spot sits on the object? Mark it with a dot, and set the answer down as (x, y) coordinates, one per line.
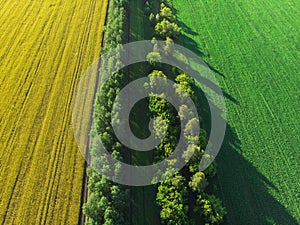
(254, 50)
(46, 46)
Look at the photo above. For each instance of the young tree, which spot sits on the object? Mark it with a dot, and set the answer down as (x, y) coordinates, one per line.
(165, 29)
(193, 161)
(160, 127)
(154, 58)
(169, 47)
(191, 131)
(166, 12)
(172, 198)
(152, 19)
(198, 182)
(158, 80)
(185, 82)
(211, 209)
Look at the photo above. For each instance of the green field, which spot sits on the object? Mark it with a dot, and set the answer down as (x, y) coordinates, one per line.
(254, 48)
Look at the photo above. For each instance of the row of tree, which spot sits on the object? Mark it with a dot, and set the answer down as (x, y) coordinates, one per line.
(108, 202)
(175, 193)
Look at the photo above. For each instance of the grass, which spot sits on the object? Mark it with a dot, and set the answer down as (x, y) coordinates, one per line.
(45, 48)
(144, 208)
(254, 49)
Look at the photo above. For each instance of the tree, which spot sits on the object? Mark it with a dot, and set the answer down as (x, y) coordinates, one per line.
(158, 81)
(157, 17)
(198, 182)
(152, 19)
(172, 198)
(165, 29)
(169, 48)
(193, 161)
(168, 3)
(94, 208)
(211, 170)
(98, 201)
(119, 200)
(166, 12)
(191, 131)
(185, 82)
(154, 58)
(107, 203)
(211, 209)
(184, 112)
(160, 127)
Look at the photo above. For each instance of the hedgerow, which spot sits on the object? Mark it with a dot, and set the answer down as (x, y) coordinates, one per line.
(174, 193)
(107, 202)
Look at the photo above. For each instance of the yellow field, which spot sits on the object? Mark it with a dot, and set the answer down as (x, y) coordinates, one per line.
(45, 47)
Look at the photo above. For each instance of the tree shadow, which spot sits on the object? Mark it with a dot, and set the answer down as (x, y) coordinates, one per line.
(244, 189)
(230, 97)
(193, 45)
(187, 29)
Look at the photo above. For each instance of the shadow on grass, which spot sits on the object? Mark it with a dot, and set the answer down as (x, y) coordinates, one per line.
(187, 29)
(193, 45)
(244, 190)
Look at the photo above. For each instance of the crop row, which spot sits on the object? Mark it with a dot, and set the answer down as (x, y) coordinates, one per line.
(45, 48)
